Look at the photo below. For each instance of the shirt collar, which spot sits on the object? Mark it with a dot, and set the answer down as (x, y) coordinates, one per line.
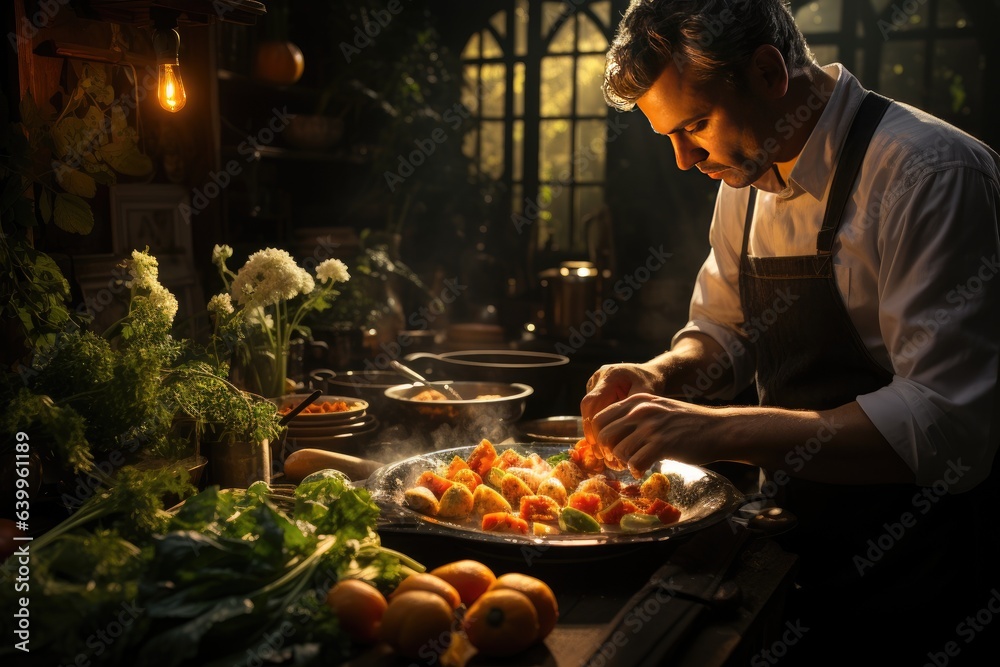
(815, 164)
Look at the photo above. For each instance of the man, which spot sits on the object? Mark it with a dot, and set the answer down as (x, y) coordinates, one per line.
(852, 277)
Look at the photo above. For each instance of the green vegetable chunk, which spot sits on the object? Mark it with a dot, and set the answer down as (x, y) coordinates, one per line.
(572, 520)
(636, 521)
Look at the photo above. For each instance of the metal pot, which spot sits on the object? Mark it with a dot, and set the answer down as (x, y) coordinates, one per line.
(571, 291)
(368, 385)
(542, 371)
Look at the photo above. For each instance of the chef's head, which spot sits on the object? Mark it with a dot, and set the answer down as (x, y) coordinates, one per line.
(711, 75)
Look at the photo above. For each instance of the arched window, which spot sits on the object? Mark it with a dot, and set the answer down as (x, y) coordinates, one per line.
(532, 80)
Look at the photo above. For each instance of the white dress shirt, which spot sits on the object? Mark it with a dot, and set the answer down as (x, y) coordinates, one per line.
(916, 260)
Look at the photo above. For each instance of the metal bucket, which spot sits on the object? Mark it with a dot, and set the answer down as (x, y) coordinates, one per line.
(237, 465)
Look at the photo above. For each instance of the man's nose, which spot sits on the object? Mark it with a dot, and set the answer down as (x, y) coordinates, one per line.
(686, 152)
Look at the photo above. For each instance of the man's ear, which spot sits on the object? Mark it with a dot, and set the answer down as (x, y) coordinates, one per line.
(766, 72)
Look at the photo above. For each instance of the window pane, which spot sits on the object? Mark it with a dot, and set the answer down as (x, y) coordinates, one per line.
(469, 147)
(897, 16)
(901, 72)
(951, 15)
(556, 94)
(499, 23)
(956, 81)
(519, 89)
(490, 47)
(603, 11)
(588, 200)
(518, 149)
(589, 147)
(470, 91)
(553, 150)
(494, 89)
(491, 155)
(562, 42)
(521, 28)
(589, 76)
(825, 53)
(823, 16)
(591, 37)
(551, 13)
(553, 218)
(471, 49)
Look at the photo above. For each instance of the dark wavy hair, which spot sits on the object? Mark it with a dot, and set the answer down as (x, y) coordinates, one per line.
(712, 37)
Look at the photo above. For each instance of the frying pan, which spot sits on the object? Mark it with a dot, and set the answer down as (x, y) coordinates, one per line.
(703, 496)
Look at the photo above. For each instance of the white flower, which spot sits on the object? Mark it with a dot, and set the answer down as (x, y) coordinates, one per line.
(220, 254)
(332, 270)
(270, 276)
(144, 271)
(258, 316)
(161, 298)
(221, 304)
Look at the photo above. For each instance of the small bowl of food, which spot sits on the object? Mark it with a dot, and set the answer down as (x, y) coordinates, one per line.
(428, 405)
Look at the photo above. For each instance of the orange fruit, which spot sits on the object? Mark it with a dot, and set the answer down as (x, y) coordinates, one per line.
(501, 622)
(538, 592)
(416, 623)
(424, 581)
(469, 577)
(359, 607)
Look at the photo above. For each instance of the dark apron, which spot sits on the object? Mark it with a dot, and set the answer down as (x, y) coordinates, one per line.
(809, 356)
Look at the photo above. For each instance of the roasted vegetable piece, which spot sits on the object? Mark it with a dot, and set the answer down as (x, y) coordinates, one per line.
(504, 522)
(468, 477)
(583, 455)
(539, 508)
(554, 489)
(572, 520)
(569, 474)
(529, 476)
(637, 521)
(456, 503)
(436, 483)
(494, 476)
(510, 459)
(664, 511)
(482, 457)
(598, 485)
(422, 499)
(542, 529)
(486, 500)
(657, 486)
(612, 515)
(513, 488)
(588, 503)
(456, 464)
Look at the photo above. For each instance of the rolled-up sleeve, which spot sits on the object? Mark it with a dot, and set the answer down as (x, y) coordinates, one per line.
(939, 315)
(715, 308)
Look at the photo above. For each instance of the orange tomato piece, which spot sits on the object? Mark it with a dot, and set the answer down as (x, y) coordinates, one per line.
(456, 464)
(539, 508)
(504, 522)
(482, 457)
(435, 482)
(585, 502)
(613, 514)
(664, 511)
(583, 455)
(510, 459)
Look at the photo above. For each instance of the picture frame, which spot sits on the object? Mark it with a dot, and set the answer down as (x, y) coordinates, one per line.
(150, 215)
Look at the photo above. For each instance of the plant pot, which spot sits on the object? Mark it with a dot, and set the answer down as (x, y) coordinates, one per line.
(237, 465)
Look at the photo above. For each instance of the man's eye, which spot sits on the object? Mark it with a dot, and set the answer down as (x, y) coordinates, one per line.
(697, 127)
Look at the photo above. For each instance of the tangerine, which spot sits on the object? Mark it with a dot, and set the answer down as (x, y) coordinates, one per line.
(469, 577)
(416, 622)
(425, 581)
(501, 622)
(359, 607)
(541, 596)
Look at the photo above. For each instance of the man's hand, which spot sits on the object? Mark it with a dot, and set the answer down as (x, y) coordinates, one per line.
(610, 384)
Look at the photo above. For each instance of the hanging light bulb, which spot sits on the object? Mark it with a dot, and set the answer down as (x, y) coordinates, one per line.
(169, 85)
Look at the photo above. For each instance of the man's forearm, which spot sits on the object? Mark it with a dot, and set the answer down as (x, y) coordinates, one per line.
(694, 362)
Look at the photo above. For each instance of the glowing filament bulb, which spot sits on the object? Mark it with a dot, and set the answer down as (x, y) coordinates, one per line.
(170, 87)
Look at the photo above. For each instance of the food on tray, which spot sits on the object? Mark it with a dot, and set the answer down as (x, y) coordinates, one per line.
(521, 494)
(321, 408)
(435, 395)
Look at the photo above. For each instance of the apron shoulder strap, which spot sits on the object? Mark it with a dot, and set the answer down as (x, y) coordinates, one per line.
(867, 119)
